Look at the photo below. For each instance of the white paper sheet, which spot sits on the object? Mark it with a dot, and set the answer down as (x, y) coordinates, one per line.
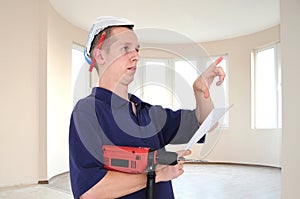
(214, 116)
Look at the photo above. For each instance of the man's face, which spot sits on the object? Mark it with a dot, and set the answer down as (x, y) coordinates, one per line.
(120, 59)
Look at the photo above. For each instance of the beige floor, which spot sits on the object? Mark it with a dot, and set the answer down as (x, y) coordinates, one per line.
(205, 181)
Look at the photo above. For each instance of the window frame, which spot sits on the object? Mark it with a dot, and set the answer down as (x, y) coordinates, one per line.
(171, 77)
(277, 87)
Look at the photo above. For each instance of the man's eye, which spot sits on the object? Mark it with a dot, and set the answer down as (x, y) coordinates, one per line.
(125, 48)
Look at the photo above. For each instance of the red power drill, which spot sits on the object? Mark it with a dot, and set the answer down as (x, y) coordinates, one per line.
(135, 159)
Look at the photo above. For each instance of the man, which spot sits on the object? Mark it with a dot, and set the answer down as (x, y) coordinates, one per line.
(110, 115)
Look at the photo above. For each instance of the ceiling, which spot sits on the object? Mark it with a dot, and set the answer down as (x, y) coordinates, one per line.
(198, 20)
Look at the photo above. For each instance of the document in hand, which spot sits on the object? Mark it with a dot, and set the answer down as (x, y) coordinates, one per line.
(214, 116)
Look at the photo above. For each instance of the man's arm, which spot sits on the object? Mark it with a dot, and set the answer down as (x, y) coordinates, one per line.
(116, 184)
(204, 104)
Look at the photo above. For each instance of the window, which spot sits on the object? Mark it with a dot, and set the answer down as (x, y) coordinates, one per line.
(156, 83)
(220, 95)
(79, 81)
(185, 73)
(266, 88)
(82, 79)
(169, 82)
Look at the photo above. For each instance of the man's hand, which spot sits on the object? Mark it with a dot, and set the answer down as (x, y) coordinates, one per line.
(203, 82)
(166, 173)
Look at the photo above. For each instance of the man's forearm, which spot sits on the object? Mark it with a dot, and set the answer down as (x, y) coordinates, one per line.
(203, 106)
(116, 184)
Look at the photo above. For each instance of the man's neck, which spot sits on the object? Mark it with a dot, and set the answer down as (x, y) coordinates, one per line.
(117, 88)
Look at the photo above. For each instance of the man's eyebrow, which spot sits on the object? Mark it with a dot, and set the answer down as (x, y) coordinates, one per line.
(130, 43)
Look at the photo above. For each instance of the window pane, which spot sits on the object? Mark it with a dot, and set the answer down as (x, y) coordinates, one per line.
(266, 90)
(79, 76)
(220, 94)
(185, 75)
(156, 88)
(169, 82)
(157, 95)
(187, 70)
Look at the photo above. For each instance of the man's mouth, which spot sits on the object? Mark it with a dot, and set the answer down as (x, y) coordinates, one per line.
(132, 68)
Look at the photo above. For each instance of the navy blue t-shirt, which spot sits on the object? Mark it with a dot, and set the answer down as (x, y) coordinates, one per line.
(106, 118)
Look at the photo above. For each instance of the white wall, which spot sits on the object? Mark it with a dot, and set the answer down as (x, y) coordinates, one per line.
(290, 40)
(61, 36)
(19, 85)
(36, 99)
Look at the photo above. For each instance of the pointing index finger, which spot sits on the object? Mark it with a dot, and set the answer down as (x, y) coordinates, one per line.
(217, 61)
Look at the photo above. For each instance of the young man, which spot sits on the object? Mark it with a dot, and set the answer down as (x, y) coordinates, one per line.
(112, 116)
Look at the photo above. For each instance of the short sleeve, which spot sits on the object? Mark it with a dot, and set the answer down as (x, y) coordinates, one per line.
(180, 126)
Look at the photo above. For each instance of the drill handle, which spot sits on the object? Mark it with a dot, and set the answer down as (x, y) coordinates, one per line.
(166, 157)
(150, 189)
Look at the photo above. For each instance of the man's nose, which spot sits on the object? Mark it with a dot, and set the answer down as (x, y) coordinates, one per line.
(135, 55)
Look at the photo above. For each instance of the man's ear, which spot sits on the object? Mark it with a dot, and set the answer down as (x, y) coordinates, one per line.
(98, 55)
